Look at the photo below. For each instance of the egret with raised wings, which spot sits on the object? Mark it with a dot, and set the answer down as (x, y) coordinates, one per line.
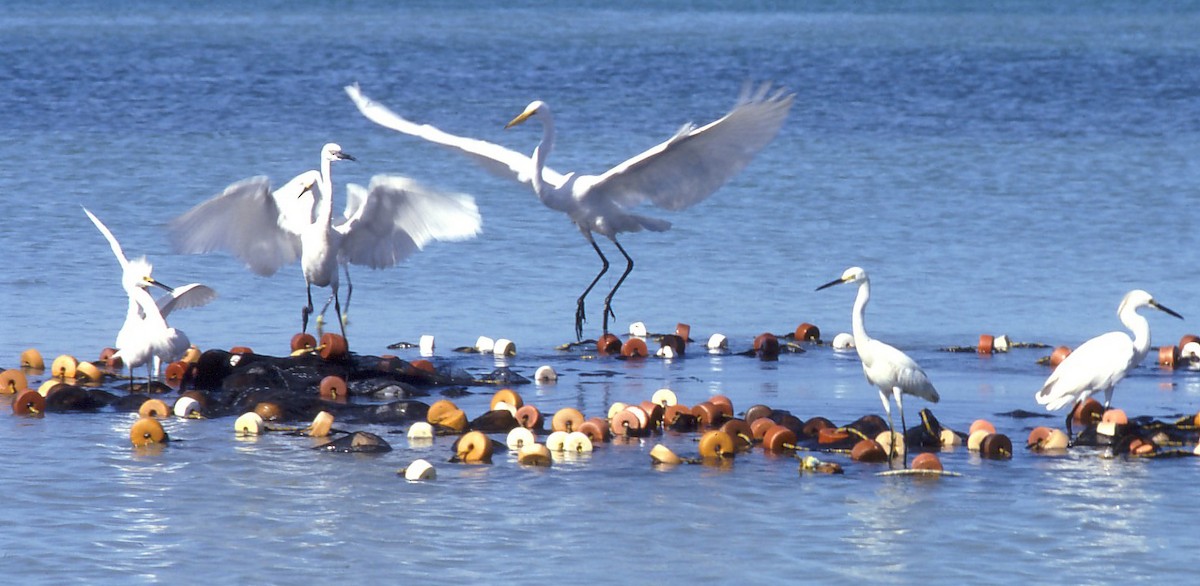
(268, 229)
(1101, 362)
(145, 337)
(681, 172)
(887, 368)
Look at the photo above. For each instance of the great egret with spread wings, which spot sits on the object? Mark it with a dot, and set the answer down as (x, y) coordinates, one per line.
(887, 368)
(676, 174)
(145, 337)
(268, 229)
(1101, 362)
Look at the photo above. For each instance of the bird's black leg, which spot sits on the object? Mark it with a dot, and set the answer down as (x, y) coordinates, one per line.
(337, 306)
(579, 313)
(1070, 437)
(608, 300)
(307, 309)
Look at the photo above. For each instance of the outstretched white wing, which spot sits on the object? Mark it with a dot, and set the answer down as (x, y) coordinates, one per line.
(399, 216)
(498, 160)
(694, 163)
(112, 240)
(247, 220)
(187, 296)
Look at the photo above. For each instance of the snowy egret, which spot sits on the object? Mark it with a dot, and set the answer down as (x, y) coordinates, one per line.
(1101, 362)
(676, 174)
(145, 337)
(889, 369)
(397, 217)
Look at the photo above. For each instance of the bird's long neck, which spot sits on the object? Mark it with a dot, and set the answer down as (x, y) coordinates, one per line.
(860, 306)
(324, 195)
(542, 151)
(1141, 332)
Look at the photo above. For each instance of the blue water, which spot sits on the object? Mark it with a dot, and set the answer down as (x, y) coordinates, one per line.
(1010, 169)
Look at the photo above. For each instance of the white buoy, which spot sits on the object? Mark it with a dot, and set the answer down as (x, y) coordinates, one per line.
(520, 437)
(638, 329)
(484, 345)
(426, 345)
(1190, 351)
(504, 347)
(556, 441)
(250, 423)
(843, 341)
(505, 406)
(577, 442)
(1002, 343)
(664, 397)
(187, 407)
(615, 408)
(420, 470)
(665, 352)
(420, 431)
(717, 343)
(545, 374)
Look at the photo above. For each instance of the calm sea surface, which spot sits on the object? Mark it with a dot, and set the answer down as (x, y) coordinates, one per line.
(1011, 170)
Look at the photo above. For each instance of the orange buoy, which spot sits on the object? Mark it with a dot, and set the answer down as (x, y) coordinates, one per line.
(716, 444)
(740, 431)
(707, 414)
(655, 413)
(534, 455)
(996, 446)
(1168, 356)
(439, 409)
(672, 413)
(608, 344)
(191, 355)
(632, 422)
(86, 372)
(333, 346)
(983, 424)
(1087, 412)
(32, 359)
(766, 346)
(154, 408)
(723, 403)
(684, 331)
(596, 429)
(176, 373)
(303, 341)
(1058, 355)
(321, 425)
(759, 427)
(29, 402)
(241, 350)
(868, 450)
(927, 461)
(832, 435)
(567, 419)
(987, 344)
(529, 417)
(333, 388)
(757, 412)
(779, 439)
(634, 348)
(663, 455)
(508, 396)
(12, 381)
(269, 411)
(474, 448)
(423, 365)
(1115, 416)
(1187, 338)
(455, 420)
(147, 431)
(807, 332)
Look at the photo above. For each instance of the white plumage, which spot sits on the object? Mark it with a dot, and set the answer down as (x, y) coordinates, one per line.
(676, 174)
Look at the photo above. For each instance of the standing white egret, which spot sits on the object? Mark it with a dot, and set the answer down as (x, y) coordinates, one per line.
(676, 174)
(889, 369)
(268, 229)
(1101, 362)
(145, 337)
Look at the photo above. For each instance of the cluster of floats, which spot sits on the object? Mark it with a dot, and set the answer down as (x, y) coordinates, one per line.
(324, 382)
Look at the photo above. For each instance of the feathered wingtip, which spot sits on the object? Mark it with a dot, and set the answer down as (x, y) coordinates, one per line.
(764, 92)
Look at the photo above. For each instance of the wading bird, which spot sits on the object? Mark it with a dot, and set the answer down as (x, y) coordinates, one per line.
(145, 337)
(397, 217)
(674, 175)
(889, 369)
(1101, 362)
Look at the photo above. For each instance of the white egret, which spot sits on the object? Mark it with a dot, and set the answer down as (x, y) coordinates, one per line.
(676, 174)
(889, 369)
(267, 230)
(145, 337)
(1101, 362)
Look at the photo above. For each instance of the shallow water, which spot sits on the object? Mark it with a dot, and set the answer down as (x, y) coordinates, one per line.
(1010, 170)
